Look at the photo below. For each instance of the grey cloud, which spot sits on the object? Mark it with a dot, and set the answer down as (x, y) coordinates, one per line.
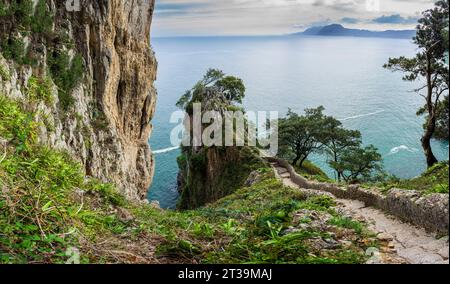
(395, 19)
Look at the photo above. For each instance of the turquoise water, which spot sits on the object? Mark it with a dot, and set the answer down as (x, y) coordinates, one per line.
(345, 75)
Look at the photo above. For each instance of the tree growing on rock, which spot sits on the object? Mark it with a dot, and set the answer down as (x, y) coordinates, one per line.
(431, 65)
(215, 89)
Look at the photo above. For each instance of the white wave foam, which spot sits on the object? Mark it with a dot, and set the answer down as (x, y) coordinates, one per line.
(400, 148)
(362, 115)
(162, 151)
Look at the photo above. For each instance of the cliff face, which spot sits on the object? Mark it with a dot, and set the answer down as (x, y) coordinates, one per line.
(106, 124)
(208, 174)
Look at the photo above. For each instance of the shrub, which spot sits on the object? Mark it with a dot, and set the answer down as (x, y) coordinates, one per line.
(3, 9)
(40, 89)
(15, 125)
(66, 74)
(22, 11)
(4, 73)
(13, 49)
(42, 22)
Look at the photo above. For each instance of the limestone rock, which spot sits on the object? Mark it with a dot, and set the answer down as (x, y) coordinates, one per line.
(253, 178)
(384, 237)
(108, 127)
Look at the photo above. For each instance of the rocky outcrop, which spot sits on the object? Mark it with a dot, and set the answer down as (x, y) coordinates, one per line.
(208, 174)
(108, 126)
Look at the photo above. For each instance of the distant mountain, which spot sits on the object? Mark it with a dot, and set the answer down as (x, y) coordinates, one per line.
(339, 30)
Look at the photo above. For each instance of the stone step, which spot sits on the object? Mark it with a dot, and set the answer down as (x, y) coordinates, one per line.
(281, 170)
(285, 175)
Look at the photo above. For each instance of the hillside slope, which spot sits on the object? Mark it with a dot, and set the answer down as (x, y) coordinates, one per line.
(50, 212)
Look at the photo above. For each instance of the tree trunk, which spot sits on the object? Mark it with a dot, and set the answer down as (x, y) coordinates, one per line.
(294, 163)
(302, 161)
(426, 141)
(431, 123)
(339, 174)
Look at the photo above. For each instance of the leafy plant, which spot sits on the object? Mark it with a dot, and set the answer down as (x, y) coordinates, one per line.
(22, 11)
(347, 223)
(13, 49)
(203, 230)
(40, 89)
(66, 74)
(4, 73)
(15, 125)
(43, 19)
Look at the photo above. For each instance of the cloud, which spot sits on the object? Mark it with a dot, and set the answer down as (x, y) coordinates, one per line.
(176, 8)
(348, 20)
(395, 19)
(265, 17)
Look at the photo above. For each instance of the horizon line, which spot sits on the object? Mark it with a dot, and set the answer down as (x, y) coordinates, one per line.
(268, 35)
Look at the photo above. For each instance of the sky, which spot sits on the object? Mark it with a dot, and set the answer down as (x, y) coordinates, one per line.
(276, 17)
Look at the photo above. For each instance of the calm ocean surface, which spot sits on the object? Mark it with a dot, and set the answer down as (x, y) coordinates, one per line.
(345, 75)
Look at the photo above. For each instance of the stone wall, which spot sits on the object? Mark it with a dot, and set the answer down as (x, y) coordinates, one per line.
(428, 211)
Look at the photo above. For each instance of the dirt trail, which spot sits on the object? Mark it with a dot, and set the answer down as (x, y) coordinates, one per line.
(413, 245)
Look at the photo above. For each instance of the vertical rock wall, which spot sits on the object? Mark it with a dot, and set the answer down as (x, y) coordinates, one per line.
(108, 126)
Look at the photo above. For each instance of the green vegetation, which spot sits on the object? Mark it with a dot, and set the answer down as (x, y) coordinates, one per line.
(43, 19)
(66, 74)
(312, 172)
(215, 88)
(3, 9)
(19, 16)
(442, 120)
(358, 164)
(300, 136)
(22, 11)
(4, 73)
(430, 66)
(13, 49)
(434, 180)
(48, 207)
(314, 132)
(210, 172)
(16, 125)
(347, 223)
(40, 89)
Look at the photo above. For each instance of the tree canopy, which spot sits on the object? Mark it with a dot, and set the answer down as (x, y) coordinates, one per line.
(430, 64)
(336, 139)
(216, 90)
(300, 136)
(358, 163)
(314, 132)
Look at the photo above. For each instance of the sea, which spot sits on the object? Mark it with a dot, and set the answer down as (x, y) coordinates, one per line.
(343, 74)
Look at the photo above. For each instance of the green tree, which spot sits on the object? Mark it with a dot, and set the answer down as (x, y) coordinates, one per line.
(431, 64)
(301, 136)
(336, 139)
(216, 89)
(358, 164)
(442, 120)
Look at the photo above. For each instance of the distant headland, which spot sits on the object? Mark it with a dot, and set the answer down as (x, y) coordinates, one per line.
(339, 30)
